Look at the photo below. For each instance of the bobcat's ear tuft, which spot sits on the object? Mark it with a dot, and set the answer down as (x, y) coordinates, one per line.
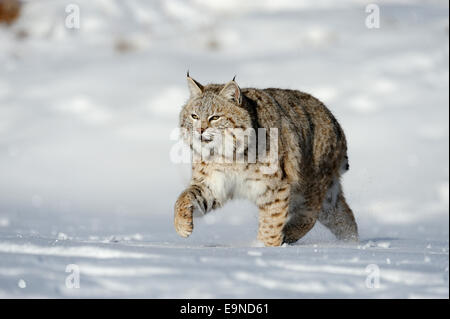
(232, 92)
(195, 88)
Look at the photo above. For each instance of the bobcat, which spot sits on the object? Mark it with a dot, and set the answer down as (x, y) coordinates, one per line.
(311, 157)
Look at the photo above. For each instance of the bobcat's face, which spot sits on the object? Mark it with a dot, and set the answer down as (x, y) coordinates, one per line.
(209, 114)
(208, 118)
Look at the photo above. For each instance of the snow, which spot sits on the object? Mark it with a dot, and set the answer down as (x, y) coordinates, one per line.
(87, 119)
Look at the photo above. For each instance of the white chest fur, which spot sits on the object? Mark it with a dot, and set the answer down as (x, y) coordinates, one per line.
(235, 184)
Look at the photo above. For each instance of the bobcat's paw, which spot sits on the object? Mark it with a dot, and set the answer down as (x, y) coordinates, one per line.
(273, 240)
(183, 225)
(184, 216)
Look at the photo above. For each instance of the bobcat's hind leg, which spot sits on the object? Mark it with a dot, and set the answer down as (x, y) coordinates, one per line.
(300, 221)
(337, 216)
(297, 227)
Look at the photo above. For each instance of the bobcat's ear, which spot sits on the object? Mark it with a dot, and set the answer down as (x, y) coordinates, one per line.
(195, 88)
(232, 92)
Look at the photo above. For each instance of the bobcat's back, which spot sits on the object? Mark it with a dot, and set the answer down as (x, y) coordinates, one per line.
(312, 143)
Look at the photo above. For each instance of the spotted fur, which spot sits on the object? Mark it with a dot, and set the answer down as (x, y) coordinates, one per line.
(305, 185)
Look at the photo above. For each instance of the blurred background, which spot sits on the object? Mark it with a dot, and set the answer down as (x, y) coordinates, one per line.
(86, 114)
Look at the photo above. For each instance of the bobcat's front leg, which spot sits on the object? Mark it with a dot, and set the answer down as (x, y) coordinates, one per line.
(272, 218)
(195, 196)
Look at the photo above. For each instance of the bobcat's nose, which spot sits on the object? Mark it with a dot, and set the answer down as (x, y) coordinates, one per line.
(200, 130)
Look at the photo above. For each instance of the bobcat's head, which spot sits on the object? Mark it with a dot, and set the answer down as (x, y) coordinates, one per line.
(212, 111)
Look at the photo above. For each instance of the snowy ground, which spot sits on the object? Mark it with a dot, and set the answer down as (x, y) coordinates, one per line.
(85, 123)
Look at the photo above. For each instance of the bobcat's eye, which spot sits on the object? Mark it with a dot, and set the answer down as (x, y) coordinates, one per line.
(214, 118)
(194, 116)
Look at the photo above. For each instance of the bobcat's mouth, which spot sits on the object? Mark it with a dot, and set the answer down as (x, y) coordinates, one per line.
(206, 139)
